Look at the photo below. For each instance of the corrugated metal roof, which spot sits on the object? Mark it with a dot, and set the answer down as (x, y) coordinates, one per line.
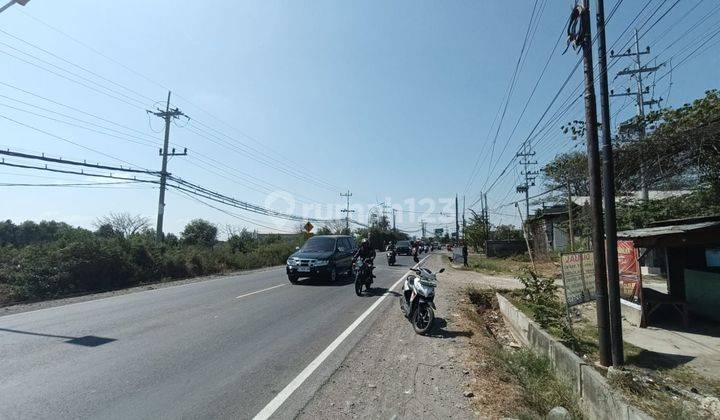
(666, 230)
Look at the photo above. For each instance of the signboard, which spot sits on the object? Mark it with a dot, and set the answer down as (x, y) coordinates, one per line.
(578, 273)
(308, 227)
(629, 271)
(439, 232)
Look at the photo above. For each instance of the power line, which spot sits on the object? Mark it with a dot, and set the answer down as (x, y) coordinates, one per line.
(76, 163)
(67, 140)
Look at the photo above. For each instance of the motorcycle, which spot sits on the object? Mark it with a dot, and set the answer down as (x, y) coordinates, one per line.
(417, 300)
(391, 257)
(363, 274)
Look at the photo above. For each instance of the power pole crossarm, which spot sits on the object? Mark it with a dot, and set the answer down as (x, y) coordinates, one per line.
(641, 103)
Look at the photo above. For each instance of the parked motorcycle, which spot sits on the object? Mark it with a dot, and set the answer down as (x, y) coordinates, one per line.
(417, 301)
(363, 274)
(391, 257)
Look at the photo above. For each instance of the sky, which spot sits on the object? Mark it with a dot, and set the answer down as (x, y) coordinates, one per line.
(291, 103)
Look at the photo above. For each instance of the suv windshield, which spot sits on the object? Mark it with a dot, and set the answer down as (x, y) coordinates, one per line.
(318, 243)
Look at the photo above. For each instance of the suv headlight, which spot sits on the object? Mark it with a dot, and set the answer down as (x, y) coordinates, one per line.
(290, 261)
(321, 262)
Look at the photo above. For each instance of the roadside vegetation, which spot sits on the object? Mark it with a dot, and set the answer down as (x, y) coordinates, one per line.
(513, 266)
(527, 382)
(663, 390)
(53, 259)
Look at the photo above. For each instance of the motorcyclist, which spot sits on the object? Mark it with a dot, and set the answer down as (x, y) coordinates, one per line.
(416, 251)
(365, 251)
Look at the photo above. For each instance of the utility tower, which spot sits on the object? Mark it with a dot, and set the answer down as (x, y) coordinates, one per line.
(168, 115)
(639, 95)
(347, 210)
(525, 156)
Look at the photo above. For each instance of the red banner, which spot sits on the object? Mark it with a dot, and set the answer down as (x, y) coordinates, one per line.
(629, 271)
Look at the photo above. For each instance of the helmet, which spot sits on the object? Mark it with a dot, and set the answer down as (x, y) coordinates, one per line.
(364, 241)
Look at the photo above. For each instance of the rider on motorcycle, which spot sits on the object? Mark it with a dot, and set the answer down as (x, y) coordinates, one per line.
(365, 251)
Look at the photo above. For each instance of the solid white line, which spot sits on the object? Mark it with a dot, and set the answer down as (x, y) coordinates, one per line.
(283, 395)
(260, 291)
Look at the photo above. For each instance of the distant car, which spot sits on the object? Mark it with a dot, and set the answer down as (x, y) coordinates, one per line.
(327, 256)
(402, 248)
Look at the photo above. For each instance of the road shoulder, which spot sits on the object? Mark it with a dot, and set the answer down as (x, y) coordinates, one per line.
(393, 372)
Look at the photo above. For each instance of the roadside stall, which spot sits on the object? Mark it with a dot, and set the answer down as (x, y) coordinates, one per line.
(692, 282)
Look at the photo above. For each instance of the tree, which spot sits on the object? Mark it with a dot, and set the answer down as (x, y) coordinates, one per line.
(124, 223)
(324, 230)
(567, 168)
(475, 232)
(106, 231)
(334, 227)
(200, 232)
(506, 233)
(684, 142)
(242, 241)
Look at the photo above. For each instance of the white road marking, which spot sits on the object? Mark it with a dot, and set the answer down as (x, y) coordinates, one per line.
(260, 291)
(286, 392)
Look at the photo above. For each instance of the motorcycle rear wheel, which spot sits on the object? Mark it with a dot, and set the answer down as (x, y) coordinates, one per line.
(423, 319)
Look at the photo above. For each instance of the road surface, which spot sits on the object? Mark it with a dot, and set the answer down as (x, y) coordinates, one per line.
(218, 348)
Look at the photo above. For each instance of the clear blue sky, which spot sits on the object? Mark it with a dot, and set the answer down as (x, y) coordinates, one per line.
(393, 100)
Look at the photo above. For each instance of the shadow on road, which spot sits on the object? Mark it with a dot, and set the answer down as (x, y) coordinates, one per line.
(653, 360)
(439, 330)
(87, 340)
(341, 281)
(379, 291)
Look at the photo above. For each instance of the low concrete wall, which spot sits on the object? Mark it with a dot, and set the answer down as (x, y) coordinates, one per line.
(632, 312)
(597, 398)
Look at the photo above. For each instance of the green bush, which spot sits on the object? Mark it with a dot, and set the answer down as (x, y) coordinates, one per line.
(62, 260)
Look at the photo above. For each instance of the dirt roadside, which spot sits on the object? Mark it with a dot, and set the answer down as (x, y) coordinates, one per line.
(395, 373)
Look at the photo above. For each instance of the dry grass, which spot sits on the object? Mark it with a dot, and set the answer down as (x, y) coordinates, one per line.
(513, 380)
(511, 266)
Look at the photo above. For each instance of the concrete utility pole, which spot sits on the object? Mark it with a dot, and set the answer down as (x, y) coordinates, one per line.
(168, 115)
(526, 153)
(486, 217)
(457, 222)
(422, 227)
(347, 210)
(639, 95)
(613, 273)
(394, 210)
(463, 218)
(583, 37)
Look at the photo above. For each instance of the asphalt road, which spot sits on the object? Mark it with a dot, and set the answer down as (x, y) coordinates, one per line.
(221, 348)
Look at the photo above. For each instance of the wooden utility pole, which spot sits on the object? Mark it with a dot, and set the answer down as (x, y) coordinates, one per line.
(168, 116)
(613, 273)
(583, 37)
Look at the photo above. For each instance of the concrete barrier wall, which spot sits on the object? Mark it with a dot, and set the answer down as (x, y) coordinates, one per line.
(597, 398)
